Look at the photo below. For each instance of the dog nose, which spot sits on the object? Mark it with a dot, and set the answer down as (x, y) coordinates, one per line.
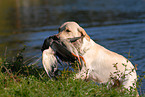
(57, 35)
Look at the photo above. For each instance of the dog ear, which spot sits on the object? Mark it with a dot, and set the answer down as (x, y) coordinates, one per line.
(83, 32)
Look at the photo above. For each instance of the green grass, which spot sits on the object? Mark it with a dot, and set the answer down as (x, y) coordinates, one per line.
(20, 80)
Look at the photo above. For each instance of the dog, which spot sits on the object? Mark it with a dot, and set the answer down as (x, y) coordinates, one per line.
(102, 65)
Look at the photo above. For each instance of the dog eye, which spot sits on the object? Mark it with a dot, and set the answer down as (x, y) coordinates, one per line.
(67, 30)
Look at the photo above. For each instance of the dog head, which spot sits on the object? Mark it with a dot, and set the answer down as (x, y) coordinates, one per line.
(72, 30)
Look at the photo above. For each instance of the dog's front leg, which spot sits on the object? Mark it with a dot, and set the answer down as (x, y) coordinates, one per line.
(83, 74)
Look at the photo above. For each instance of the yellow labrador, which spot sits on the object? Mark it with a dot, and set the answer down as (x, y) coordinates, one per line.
(101, 63)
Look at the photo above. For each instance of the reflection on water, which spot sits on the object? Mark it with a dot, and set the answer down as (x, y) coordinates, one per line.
(118, 25)
(16, 15)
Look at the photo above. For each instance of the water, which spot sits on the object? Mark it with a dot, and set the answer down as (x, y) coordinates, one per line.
(118, 25)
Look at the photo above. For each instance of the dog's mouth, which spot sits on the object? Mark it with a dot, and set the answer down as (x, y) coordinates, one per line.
(49, 40)
(76, 38)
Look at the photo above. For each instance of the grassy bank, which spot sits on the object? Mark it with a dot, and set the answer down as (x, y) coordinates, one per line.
(18, 79)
